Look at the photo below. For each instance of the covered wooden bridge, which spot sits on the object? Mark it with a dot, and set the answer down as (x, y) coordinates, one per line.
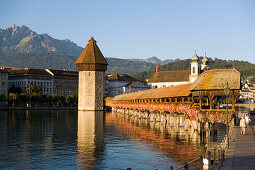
(208, 99)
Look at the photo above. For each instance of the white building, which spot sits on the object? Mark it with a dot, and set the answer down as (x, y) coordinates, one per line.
(121, 84)
(179, 77)
(248, 91)
(4, 83)
(22, 77)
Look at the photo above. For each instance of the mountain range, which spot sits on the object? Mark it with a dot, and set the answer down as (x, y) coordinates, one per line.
(20, 39)
(21, 47)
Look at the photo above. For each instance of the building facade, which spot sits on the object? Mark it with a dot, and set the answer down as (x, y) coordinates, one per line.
(179, 77)
(22, 77)
(64, 82)
(248, 92)
(4, 83)
(123, 83)
(59, 82)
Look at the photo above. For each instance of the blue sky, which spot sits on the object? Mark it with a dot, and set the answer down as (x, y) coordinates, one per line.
(143, 28)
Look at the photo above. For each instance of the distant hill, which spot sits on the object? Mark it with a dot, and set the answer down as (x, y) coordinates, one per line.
(154, 60)
(20, 39)
(245, 68)
(127, 66)
(21, 47)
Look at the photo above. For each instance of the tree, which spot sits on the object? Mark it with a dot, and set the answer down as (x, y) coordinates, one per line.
(33, 89)
(2, 97)
(13, 97)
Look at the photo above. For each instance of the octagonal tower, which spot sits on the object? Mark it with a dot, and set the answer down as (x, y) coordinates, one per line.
(91, 65)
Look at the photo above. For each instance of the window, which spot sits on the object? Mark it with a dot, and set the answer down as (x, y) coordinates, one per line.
(3, 83)
(194, 69)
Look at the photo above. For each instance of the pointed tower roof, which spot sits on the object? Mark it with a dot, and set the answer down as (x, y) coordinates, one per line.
(91, 55)
(205, 59)
(195, 57)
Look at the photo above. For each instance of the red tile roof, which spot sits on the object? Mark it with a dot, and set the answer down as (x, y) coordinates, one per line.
(170, 76)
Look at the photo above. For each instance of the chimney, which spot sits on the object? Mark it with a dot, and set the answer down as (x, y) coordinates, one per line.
(157, 68)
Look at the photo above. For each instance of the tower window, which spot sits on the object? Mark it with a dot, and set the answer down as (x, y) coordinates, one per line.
(194, 69)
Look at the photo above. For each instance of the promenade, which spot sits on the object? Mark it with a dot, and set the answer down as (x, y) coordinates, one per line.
(241, 154)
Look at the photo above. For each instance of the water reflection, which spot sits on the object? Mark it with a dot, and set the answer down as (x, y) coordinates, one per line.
(173, 142)
(90, 143)
(91, 140)
(37, 139)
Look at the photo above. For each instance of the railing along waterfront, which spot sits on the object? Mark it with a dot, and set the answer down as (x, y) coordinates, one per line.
(218, 155)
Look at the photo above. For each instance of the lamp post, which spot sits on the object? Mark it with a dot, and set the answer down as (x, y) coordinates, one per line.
(226, 91)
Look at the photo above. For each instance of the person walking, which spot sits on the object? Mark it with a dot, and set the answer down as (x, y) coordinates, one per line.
(242, 125)
(247, 119)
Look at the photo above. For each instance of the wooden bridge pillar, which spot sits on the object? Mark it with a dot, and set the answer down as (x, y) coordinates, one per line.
(187, 124)
(152, 116)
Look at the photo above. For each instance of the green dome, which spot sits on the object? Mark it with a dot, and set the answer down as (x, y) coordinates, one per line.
(195, 57)
(204, 60)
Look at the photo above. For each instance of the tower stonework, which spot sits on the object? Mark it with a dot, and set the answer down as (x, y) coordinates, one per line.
(91, 65)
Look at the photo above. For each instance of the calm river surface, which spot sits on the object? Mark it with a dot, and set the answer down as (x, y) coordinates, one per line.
(91, 140)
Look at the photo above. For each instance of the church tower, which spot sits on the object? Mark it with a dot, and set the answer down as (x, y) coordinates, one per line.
(204, 65)
(91, 65)
(195, 69)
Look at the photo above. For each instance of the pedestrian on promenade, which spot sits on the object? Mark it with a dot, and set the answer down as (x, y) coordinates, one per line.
(242, 125)
(247, 119)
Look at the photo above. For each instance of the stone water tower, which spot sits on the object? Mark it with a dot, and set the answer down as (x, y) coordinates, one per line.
(91, 65)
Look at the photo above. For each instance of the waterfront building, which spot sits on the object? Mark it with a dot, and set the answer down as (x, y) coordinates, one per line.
(59, 82)
(248, 92)
(64, 82)
(179, 77)
(91, 65)
(4, 83)
(22, 77)
(123, 83)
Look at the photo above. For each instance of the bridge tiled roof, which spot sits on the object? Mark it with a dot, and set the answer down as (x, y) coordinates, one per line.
(216, 79)
(164, 92)
(170, 76)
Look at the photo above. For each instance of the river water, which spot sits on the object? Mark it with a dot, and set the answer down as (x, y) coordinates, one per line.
(91, 140)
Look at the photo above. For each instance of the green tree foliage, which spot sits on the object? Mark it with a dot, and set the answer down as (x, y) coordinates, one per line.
(32, 89)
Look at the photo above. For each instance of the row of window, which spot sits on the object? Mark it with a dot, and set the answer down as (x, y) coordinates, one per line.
(65, 86)
(4, 75)
(40, 83)
(65, 82)
(25, 83)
